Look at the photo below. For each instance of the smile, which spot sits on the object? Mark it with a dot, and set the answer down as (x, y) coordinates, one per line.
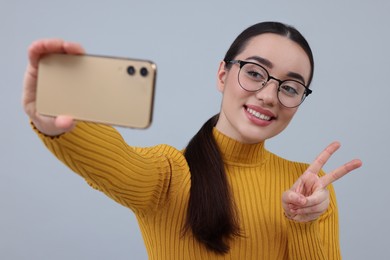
(258, 114)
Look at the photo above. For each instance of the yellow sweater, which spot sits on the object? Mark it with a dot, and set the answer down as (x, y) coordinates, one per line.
(154, 183)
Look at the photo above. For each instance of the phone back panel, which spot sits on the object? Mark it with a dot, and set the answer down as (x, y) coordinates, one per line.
(97, 88)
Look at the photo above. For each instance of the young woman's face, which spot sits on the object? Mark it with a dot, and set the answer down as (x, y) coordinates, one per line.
(251, 117)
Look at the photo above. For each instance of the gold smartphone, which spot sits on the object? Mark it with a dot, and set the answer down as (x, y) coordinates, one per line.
(108, 90)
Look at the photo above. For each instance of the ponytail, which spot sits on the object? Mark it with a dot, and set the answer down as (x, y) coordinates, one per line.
(211, 214)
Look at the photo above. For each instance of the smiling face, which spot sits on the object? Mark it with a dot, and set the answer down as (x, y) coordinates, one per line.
(251, 117)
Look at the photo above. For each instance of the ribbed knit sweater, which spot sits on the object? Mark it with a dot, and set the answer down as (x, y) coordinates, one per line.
(154, 182)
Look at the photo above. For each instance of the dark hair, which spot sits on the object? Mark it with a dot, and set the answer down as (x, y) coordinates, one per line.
(287, 31)
(211, 213)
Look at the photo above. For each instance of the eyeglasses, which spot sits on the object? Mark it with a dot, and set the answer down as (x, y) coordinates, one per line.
(253, 77)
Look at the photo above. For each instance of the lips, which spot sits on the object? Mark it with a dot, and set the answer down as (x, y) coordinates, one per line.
(260, 113)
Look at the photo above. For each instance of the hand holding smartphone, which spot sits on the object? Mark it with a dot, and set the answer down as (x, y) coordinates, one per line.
(108, 90)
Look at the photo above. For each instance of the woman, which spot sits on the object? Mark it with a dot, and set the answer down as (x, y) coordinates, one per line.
(225, 196)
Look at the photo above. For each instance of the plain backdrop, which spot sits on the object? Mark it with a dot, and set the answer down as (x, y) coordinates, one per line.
(48, 212)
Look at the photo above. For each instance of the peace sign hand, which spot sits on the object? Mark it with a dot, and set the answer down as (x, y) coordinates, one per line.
(308, 198)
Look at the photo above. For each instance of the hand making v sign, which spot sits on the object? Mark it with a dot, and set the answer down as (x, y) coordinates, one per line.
(308, 198)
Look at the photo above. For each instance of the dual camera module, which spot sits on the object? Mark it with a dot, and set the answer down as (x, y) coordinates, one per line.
(131, 70)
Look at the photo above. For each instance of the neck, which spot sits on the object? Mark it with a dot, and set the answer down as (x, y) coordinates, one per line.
(234, 151)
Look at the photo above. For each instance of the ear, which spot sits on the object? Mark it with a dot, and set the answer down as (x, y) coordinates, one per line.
(221, 76)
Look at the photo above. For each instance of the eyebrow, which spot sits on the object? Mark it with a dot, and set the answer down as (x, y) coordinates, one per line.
(296, 76)
(261, 60)
(270, 65)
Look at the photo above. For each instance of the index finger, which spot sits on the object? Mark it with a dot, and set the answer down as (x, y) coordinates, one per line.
(323, 157)
(340, 172)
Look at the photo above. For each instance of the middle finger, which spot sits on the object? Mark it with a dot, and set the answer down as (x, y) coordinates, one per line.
(323, 157)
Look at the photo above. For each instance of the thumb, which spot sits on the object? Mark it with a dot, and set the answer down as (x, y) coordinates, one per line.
(66, 123)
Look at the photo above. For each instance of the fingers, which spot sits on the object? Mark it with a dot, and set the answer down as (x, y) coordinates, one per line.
(340, 172)
(39, 48)
(309, 213)
(308, 198)
(73, 48)
(306, 183)
(293, 198)
(306, 208)
(316, 203)
(323, 157)
(47, 125)
(321, 160)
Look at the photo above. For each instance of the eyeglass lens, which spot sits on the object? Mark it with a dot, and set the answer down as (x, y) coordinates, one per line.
(253, 77)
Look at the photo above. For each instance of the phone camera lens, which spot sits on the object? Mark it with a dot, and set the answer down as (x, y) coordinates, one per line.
(130, 70)
(144, 72)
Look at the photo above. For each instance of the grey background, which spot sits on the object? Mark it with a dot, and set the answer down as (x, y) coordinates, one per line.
(47, 212)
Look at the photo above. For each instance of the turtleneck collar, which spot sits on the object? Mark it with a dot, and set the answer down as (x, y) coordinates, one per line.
(239, 153)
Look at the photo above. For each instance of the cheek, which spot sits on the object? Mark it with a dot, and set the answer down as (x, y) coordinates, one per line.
(286, 114)
(232, 90)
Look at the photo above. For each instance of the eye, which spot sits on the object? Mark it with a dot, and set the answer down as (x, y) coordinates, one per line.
(291, 88)
(255, 73)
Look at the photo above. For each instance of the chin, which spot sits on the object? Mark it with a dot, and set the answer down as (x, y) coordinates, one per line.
(260, 135)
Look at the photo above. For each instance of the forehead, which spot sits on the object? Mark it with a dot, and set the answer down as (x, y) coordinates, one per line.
(284, 54)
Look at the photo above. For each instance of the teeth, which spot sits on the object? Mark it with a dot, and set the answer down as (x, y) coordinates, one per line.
(258, 115)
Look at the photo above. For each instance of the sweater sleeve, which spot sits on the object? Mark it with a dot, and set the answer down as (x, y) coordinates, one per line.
(138, 178)
(318, 239)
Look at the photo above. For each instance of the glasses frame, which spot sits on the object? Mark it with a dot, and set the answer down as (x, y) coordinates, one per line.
(269, 77)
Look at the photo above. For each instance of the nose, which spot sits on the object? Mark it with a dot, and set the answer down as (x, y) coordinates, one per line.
(268, 93)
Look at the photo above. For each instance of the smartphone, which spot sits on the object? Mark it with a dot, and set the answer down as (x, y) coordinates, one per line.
(108, 90)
